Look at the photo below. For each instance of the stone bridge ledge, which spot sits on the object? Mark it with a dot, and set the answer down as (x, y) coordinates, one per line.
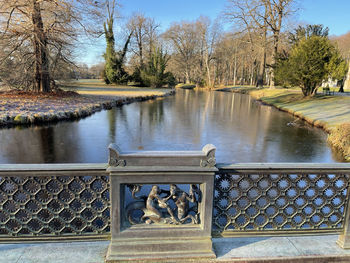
(320, 249)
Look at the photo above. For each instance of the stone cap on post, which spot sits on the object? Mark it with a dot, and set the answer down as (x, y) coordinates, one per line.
(159, 160)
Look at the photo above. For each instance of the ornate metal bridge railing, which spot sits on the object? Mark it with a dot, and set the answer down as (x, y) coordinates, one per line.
(181, 197)
(269, 199)
(51, 201)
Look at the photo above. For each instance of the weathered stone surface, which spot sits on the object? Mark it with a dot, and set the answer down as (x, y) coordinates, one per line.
(159, 236)
(169, 160)
(297, 249)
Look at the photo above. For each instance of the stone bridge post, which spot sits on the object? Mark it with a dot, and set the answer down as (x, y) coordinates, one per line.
(161, 204)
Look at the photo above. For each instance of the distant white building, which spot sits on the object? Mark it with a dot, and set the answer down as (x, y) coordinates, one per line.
(330, 83)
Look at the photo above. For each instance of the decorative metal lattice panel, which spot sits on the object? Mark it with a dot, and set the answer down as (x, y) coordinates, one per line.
(280, 201)
(60, 205)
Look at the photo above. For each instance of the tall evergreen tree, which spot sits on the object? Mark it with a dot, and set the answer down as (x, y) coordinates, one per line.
(311, 60)
(153, 74)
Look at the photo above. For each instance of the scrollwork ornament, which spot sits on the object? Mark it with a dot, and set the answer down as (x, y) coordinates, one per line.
(121, 163)
(116, 163)
(210, 162)
(114, 157)
(203, 163)
(112, 162)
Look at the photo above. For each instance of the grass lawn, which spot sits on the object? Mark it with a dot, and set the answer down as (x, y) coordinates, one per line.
(18, 107)
(99, 88)
(186, 86)
(325, 111)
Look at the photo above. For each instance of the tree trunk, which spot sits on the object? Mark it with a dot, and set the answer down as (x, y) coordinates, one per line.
(140, 46)
(275, 53)
(347, 80)
(260, 81)
(229, 78)
(267, 73)
(235, 69)
(341, 88)
(187, 77)
(251, 75)
(41, 72)
(313, 92)
(276, 39)
(304, 89)
(208, 73)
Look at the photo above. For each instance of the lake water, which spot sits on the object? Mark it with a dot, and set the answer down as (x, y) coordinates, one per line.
(242, 129)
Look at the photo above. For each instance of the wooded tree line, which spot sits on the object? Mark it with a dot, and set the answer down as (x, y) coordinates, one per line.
(343, 42)
(147, 60)
(244, 56)
(38, 39)
(200, 52)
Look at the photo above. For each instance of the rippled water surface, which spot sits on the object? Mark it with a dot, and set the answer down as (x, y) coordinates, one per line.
(242, 129)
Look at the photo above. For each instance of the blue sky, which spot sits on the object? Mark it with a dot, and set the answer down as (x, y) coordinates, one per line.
(167, 11)
(331, 13)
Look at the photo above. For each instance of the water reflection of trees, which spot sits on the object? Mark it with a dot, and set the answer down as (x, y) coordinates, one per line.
(155, 112)
(43, 144)
(47, 143)
(112, 121)
(240, 128)
(244, 130)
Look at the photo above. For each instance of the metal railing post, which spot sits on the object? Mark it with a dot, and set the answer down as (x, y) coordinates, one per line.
(344, 238)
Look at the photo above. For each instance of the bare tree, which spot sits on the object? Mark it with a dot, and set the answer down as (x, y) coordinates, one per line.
(182, 37)
(261, 17)
(192, 45)
(152, 35)
(144, 36)
(343, 42)
(251, 17)
(209, 35)
(40, 31)
(277, 11)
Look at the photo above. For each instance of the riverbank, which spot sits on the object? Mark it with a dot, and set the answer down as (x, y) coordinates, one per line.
(186, 86)
(331, 113)
(80, 99)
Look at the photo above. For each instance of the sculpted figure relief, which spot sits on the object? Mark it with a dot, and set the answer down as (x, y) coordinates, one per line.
(165, 207)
